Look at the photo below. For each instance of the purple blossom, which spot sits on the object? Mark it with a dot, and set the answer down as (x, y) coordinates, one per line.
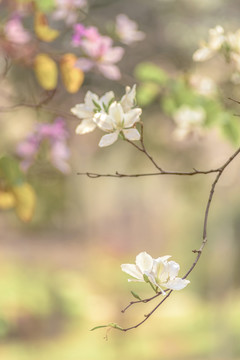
(56, 135)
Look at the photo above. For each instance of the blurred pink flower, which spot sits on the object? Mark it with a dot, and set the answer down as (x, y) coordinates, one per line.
(100, 54)
(27, 150)
(15, 31)
(79, 33)
(67, 10)
(56, 134)
(127, 30)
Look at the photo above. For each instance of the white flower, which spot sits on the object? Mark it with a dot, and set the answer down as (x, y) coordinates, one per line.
(159, 272)
(203, 54)
(115, 118)
(86, 111)
(117, 121)
(129, 99)
(216, 39)
(203, 84)
(126, 30)
(188, 120)
(165, 273)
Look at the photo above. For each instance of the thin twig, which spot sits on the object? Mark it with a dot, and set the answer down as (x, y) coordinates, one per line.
(144, 301)
(199, 252)
(41, 103)
(162, 172)
(148, 315)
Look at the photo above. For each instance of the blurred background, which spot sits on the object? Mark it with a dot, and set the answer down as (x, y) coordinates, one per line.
(60, 272)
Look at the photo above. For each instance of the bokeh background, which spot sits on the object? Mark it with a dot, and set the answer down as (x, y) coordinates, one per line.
(60, 274)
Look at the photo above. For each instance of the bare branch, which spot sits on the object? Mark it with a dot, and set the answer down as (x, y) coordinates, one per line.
(199, 252)
(162, 172)
(46, 99)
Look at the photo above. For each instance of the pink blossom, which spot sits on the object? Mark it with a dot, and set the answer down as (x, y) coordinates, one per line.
(15, 31)
(67, 10)
(56, 135)
(54, 132)
(79, 33)
(127, 30)
(100, 54)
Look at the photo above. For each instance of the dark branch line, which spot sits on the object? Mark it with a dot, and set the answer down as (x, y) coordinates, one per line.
(219, 171)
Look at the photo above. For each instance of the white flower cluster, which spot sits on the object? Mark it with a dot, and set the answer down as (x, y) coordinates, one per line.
(189, 120)
(159, 272)
(114, 118)
(219, 41)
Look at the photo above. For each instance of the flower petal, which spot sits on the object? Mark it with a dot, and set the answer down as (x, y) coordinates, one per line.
(163, 258)
(85, 127)
(144, 262)
(131, 134)
(116, 113)
(177, 284)
(89, 100)
(103, 121)
(81, 111)
(109, 71)
(84, 64)
(106, 98)
(132, 270)
(128, 100)
(202, 54)
(113, 55)
(108, 139)
(131, 117)
(173, 269)
(160, 269)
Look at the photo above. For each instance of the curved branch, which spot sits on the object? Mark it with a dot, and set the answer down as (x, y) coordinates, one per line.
(204, 241)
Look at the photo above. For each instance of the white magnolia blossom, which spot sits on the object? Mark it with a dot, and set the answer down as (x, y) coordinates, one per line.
(115, 118)
(220, 42)
(216, 39)
(188, 120)
(127, 31)
(117, 121)
(86, 111)
(160, 272)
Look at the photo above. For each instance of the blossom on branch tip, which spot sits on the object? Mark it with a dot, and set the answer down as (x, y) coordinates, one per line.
(227, 44)
(215, 41)
(116, 122)
(160, 272)
(115, 118)
(87, 110)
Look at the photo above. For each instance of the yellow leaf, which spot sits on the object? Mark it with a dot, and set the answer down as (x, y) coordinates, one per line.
(42, 30)
(25, 201)
(7, 200)
(72, 77)
(46, 71)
